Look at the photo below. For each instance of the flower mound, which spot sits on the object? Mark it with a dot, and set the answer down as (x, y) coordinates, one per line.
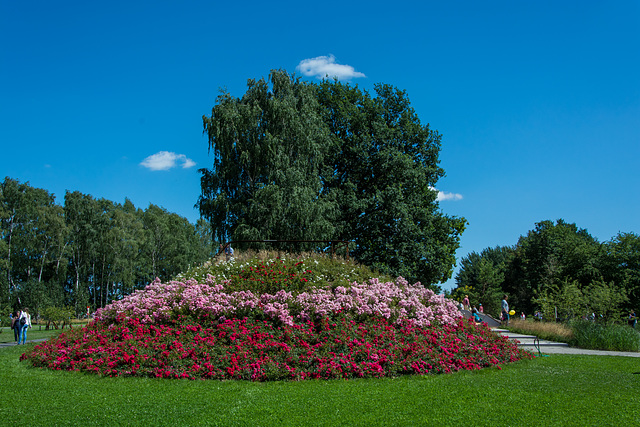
(198, 331)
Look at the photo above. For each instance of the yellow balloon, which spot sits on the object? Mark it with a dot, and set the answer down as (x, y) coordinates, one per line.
(512, 312)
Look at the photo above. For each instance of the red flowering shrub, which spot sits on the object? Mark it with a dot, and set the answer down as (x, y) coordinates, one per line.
(258, 350)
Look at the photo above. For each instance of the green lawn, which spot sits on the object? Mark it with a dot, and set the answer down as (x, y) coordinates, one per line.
(554, 390)
(35, 333)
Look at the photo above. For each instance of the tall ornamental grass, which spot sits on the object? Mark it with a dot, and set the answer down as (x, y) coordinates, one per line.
(611, 337)
(551, 331)
(582, 334)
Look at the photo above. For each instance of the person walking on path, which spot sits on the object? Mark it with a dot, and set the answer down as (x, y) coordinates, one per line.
(480, 308)
(465, 302)
(25, 323)
(505, 310)
(15, 325)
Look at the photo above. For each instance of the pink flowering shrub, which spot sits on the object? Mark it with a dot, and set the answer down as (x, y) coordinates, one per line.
(397, 302)
(264, 323)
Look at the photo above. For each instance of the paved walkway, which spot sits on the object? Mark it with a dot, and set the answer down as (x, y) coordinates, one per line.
(490, 321)
(528, 342)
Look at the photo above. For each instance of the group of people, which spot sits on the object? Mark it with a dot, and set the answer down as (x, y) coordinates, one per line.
(475, 312)
(20, 323)
(505, 314)
(466, 305)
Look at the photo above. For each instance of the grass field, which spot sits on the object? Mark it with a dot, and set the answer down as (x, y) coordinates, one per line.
(35, 333)
(556, 390)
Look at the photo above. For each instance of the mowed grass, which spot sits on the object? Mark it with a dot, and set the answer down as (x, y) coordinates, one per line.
(556, 390)
(38, 331)
(35, 333)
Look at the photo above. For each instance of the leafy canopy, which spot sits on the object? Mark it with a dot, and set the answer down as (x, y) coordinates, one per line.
(296, 160)
(557, 268)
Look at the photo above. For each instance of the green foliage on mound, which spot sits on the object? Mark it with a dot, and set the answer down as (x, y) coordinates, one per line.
(271, 271)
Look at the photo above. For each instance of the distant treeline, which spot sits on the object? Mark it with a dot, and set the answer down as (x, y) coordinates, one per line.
(558, 269)
(87, 252)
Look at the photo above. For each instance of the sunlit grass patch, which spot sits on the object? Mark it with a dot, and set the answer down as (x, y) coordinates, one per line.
(544, 330)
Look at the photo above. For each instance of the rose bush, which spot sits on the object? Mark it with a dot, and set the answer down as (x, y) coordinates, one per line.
(257, 350)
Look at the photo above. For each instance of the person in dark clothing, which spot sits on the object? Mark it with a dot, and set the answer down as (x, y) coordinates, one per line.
(15, 325)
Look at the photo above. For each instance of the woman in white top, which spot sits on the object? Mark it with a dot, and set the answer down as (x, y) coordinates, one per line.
(25, 323)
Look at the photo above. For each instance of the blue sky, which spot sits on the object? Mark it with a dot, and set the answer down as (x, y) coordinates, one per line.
(538, 102)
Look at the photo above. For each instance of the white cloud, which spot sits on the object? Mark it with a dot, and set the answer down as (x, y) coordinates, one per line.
(188, 163)
(165, 160)
(446, 196)
(323, 66)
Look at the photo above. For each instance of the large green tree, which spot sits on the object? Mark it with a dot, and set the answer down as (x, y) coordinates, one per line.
(33, 242)
(82, 215)
(382, 171)
(295, 160)
(558, 268)
(123, 241)
(34, 237)
(268, 150)
(89, 251)
(171, 243)
(548, 256)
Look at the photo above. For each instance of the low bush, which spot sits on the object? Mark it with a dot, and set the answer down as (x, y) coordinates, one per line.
(201, 302)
